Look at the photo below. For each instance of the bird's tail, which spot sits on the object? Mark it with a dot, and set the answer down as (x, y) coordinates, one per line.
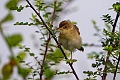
(81, 49)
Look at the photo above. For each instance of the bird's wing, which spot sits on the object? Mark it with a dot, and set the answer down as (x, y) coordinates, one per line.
(77, 29)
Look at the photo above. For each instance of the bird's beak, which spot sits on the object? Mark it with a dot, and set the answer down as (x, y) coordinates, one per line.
(59, 28)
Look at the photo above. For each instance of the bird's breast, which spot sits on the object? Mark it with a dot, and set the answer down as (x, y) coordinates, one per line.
(70, 44)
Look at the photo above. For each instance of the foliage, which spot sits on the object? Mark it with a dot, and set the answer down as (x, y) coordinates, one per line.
(51, 55)
(12, 41)
(107, 60)
(46, 14)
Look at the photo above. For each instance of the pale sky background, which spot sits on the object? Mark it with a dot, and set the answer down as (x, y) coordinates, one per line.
(87, 10)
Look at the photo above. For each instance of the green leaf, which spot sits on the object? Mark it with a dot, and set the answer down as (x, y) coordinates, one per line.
(7, 18)
(74, 22)
(117, 53)
(107, 19)
(14, 39)
(56, 56)
(21, 56)
(88, 72)
(110, 8)
(34, 16)
(108, 26)
(95, 26)
(116, 6)
(22, 23)
(68, 61)
(45, 15)
(64, 72)
(108, 48)
(22, 61)
(27, 49)
(20, 46)
(24, 72)
(31, 54)
(48, 72)
(12, 3)
(93, 22)
(93, 55)
(7, 71)
(19, 9)
(93, 65)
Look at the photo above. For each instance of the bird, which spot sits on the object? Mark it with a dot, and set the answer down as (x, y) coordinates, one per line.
(69, 37)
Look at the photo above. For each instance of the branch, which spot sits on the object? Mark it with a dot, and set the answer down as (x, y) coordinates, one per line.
(105, 68)
(70, 64)
(116, 67)
(114, 56)
(114, 25)
(107, 58)
(49, 38)
(54, 10)
(43, 62)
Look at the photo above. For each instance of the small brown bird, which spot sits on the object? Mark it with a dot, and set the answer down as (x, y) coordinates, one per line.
(69, 36)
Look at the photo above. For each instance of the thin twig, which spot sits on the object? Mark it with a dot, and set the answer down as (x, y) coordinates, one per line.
(116, 67)
(114, 56)
(107, 58)
(70, 64)
(114, 25)
(118, 57)
(44, 57)
(54, 11)
(49, 38)
(105, 68)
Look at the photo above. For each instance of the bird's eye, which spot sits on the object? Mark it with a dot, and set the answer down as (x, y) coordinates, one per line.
(65, 26)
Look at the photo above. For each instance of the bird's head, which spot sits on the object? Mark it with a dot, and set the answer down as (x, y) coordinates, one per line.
(65, 26)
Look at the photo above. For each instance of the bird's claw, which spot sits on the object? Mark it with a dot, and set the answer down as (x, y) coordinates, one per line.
(59, 44)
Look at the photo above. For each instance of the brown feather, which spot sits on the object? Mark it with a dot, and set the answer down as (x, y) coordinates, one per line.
(63, 23)
(77, 29)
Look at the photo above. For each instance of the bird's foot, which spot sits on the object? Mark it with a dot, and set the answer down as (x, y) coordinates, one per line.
(71, 61)
(59, 44)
